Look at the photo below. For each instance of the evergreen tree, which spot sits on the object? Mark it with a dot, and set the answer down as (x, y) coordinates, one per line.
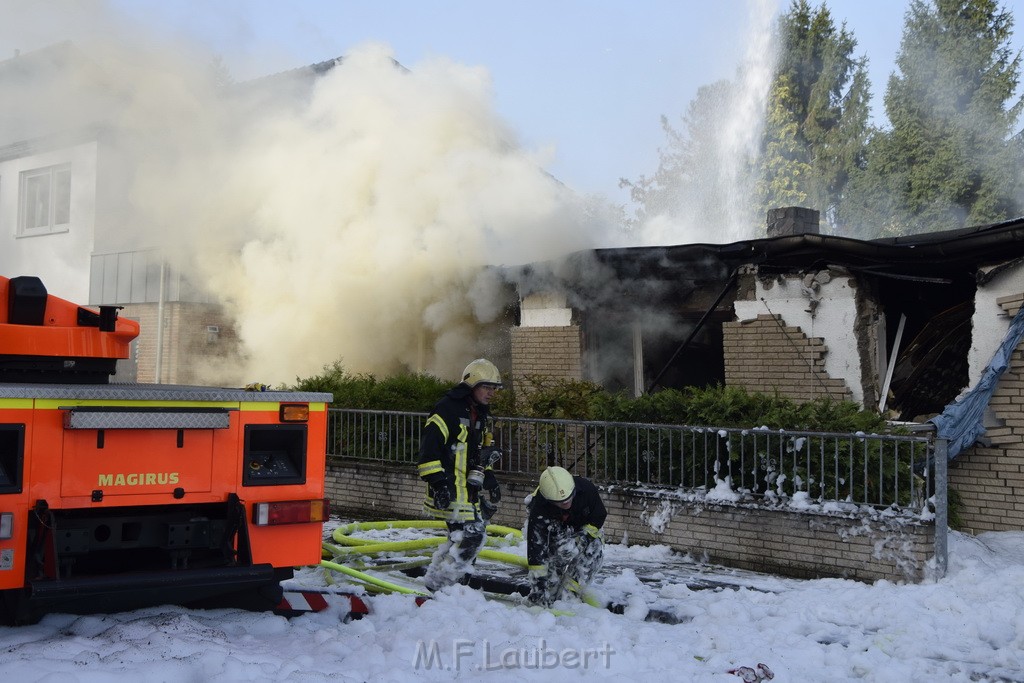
(798, 144)
(950, 158)
(817, 117)
(786, 172)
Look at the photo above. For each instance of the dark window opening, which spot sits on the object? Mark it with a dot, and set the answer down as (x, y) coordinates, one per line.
(671, 358)
(932, 360)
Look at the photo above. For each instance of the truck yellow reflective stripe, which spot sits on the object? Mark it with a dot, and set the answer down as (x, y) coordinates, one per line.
(439, 423)
(257, 406)
(13, 403)
(273, 406)
(428, 468)
(58, 403)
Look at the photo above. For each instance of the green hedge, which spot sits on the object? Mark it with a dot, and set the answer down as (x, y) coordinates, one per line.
(405, 392)
(540, 397)
(716, 406)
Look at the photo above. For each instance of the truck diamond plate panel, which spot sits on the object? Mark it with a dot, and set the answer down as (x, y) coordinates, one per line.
(154, 392)
(113, 418)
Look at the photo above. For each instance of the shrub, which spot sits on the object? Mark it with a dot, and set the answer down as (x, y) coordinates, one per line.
(716, 406)
(540, 397)
(404, 392)
(855, 468)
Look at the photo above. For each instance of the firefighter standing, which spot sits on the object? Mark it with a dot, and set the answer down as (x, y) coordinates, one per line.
(564, 545)
(455, 460)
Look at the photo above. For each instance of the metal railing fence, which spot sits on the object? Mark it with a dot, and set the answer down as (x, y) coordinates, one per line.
(878, 470)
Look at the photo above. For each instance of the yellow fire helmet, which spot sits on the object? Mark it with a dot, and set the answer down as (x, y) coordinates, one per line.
(556, 484)
(481, 371)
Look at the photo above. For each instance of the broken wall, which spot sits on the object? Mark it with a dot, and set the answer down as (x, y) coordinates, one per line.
(993, 303)
(989, 477)
(795, 335)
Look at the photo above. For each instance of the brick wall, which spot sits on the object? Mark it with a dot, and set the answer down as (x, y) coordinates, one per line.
(788, 543)
(189, 353)
(782, 542)
(764, 355)
(553, 352)
(990, 484)
(990, 479)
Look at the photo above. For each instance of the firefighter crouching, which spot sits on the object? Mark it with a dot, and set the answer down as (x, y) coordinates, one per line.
(455, 460)
(564, 544)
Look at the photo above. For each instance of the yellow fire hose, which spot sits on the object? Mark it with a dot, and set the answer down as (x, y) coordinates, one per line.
(387, 586)
(495, 532)
(351, 546)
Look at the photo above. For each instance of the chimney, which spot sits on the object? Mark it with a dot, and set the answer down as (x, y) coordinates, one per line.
(792, 220)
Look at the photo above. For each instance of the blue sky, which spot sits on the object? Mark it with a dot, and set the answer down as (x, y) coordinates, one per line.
(588, 78)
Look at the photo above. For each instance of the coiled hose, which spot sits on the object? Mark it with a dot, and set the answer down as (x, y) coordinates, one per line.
(418, 550)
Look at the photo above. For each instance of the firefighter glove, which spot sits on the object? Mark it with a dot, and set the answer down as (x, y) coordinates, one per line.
(442, 494)
(492, 486)
(588, 533)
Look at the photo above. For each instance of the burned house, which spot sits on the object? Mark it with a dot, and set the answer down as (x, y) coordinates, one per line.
(901, 325)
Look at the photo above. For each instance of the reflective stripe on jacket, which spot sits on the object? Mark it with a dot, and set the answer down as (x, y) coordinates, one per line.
(449, 447)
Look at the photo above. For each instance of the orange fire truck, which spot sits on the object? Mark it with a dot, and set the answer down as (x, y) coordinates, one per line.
(117, 496)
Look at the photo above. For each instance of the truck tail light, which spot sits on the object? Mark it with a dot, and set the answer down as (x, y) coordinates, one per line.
(6, 525)
(291, 512)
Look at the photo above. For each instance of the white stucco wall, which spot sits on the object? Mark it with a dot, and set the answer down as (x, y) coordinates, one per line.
(833, 320)
(60, 259)
(545, 309)
(989, 324)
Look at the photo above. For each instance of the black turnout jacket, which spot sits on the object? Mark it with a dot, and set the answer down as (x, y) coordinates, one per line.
(548, 525)
(450, 446)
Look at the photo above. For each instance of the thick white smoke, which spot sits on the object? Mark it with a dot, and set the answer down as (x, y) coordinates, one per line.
(378, 205)
(346, 217)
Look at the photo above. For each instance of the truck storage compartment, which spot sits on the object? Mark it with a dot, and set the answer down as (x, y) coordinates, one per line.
(108, 462)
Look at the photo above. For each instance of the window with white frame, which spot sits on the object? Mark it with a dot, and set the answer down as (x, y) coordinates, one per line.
(45, 201)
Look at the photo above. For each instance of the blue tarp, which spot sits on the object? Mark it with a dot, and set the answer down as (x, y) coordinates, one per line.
(962, 421)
